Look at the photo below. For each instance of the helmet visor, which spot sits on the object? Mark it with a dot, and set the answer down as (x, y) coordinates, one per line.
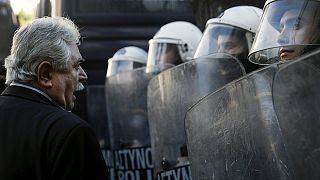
(221, 38)
(115, 67)
(162, 53)
(288, 29)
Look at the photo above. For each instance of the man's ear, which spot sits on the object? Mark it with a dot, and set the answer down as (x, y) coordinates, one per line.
(44, 74)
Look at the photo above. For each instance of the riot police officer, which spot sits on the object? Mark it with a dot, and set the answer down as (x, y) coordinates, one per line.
(126, 58)
(232, 32)
(288, 29)
(174, 43)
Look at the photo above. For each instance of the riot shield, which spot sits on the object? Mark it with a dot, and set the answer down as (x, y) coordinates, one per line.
(97, 113)
(97, 118)
(128, 124)
(233, 133)
(297, 104)
(170, 94)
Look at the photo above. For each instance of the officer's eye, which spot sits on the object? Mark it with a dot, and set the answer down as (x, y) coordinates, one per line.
(281, 27)
(297, 24)
(228, 46)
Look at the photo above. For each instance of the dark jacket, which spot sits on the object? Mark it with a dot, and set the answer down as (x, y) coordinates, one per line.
(41, 141)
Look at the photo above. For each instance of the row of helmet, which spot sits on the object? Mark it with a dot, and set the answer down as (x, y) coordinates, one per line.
(286, 30)
(174, 43)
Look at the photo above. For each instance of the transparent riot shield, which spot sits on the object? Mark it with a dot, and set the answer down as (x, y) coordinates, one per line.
(97, 113)
(128, 124)
(233, 133)
(97, 118)
(170, 94)
(296, 94)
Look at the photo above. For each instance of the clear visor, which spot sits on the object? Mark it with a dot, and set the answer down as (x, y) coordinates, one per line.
(118, 66)
(221, 38)
(163, 53)
(289, 28)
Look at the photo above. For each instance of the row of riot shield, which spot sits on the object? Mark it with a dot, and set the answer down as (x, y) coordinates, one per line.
(206, 118)
(146, 112)
(264, 125)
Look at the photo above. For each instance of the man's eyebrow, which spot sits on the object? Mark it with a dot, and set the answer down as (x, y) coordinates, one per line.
(81, 60)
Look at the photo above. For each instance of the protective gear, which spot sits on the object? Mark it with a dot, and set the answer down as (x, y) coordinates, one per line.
(289, 28)
(166, 110)
(125, 59)
(126, 95)
(232, 32)
(264, 125)
(174, 43)
(297, 101)
(233, 133)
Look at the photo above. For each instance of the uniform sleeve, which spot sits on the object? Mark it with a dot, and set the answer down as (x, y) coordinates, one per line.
(79, 157)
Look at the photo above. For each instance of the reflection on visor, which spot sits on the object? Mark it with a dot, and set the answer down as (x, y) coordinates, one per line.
(219, 38)
(288, 30)
(119, 66)
(163, 53)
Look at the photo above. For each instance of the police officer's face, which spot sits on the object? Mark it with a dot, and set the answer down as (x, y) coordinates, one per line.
(70, 80)
(230, 44)
(294, 30)
(171, 55)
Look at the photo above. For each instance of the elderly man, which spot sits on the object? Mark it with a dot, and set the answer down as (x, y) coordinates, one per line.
(39, 137)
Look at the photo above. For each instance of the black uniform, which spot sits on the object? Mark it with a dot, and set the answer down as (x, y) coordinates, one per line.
(40, 140)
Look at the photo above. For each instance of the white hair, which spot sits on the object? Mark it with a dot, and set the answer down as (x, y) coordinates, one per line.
(44, 39)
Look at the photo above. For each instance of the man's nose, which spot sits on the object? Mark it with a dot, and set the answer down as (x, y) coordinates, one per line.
(82, 75)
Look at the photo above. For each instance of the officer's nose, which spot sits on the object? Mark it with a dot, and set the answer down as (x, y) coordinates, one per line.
(283, 38)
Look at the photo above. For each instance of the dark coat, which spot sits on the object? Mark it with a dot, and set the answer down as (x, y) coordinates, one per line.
(41, 141)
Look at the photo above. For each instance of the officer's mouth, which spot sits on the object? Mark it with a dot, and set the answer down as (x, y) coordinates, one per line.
(285, 53)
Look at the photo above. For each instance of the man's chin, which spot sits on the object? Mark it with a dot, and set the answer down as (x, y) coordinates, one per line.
(70, 108)
(79, 87)
(70, 105)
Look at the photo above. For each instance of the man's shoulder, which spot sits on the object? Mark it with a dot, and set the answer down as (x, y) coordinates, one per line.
(62, 124)
(66, 119)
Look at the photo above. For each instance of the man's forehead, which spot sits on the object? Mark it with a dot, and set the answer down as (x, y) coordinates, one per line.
(75, 53)
(78, 59)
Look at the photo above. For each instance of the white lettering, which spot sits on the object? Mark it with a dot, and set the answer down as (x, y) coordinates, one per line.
(137, 175)
(149, 174)
(148, 157)
(124, 153)
(132, 155)
(120, 175)
(134, 158)
(176, 175)
(185, 175)
(140, 159)
(129, 175)
(180, 173)
(118, 160)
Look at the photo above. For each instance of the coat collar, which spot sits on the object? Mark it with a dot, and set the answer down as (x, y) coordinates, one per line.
(25, 93)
